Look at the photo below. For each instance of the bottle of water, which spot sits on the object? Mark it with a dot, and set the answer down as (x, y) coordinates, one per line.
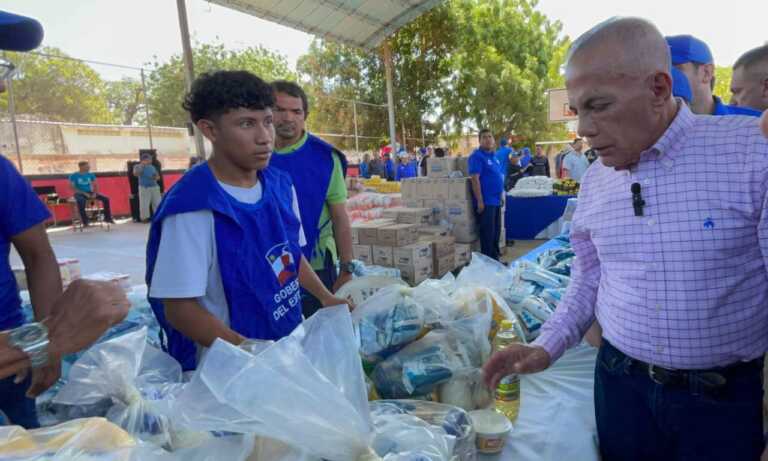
(508, 391)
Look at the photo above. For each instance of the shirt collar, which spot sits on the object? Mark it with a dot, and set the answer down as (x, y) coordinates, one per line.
(720, 108)
(666, 146)
(295, 146)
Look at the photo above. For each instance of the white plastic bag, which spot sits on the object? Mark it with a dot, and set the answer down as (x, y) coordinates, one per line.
(137, 379)
(281, 394)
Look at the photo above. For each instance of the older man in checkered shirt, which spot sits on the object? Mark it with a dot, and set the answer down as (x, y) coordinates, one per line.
(678, 283)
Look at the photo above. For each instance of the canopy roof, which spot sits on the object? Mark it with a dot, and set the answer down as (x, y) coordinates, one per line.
(360, 23)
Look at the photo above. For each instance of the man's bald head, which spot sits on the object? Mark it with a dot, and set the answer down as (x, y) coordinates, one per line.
(619, 85)
(631, 47)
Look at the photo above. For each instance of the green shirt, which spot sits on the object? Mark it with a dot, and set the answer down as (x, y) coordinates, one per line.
(337, 193)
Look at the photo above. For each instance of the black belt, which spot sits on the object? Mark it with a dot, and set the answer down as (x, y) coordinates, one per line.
(712, 378)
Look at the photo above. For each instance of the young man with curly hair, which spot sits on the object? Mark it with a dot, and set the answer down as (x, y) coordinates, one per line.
(224, 257)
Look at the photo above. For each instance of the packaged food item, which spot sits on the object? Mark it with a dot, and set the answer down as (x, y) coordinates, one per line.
(492, 430)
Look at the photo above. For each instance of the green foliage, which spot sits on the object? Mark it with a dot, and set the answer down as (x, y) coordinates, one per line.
(126, 101)
(723, 83)
(167, 87)
(57, 89)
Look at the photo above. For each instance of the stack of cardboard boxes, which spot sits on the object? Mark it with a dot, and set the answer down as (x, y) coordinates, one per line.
(411, 239)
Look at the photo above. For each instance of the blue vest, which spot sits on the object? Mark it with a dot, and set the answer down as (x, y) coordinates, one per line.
(310, 168)
(257, 247)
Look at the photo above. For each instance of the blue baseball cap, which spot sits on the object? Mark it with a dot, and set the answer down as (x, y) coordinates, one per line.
(503, 141)
(687, 48)
(19, 33)
(681, 88)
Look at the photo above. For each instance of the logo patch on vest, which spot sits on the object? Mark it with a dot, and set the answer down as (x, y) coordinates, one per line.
(281, 260)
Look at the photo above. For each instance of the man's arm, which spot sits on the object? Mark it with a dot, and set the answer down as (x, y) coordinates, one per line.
(41, 267)
(342, 233)
(94, 187)
(309, 281)
(477, 192)
(197, 324)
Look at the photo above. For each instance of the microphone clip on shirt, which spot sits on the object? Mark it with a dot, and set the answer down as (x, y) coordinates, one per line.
(637, 199)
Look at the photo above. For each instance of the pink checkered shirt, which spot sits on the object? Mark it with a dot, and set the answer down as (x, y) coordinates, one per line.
(686, 285)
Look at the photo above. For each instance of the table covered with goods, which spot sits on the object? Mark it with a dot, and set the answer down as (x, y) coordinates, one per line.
(399, 378)
(538, 206)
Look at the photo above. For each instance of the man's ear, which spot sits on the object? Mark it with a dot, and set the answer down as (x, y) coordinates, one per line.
(707, 73)
(661, 86)
(208, 128)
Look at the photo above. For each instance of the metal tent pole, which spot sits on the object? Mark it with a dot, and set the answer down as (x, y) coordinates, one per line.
(354, 116)
(189, 71)
(12, 109)
(390, 97)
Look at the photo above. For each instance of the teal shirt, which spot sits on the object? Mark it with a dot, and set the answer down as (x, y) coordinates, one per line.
(82, 182)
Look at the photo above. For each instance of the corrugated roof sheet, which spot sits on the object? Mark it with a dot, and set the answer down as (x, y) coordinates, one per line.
(360, 23)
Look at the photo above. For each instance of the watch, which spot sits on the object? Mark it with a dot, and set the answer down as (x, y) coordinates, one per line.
(348, 267)
(32, 339)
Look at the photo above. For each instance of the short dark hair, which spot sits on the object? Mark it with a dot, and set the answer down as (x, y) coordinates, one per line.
(577, 140)
(482, 132)
(82, 163)
(216, 93)
(439, 152)
(292, 89)
(752, 57)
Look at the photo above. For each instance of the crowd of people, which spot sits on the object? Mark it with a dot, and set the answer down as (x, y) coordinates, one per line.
(677, 287)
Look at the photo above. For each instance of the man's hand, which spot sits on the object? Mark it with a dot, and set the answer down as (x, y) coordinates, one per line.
(44, 377)
(82, 314)
(515, 359)
(344, 277)
(336, 301)
(480, 207)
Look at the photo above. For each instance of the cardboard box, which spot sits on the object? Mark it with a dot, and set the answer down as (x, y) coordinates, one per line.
(440, 167)
(457, 211)
(355, 235)
(463, 254)
(413, 203)
(443, 246)
(382, 255)
(363, 253)
(392, 213)
(415, 216)
(368, 233)
(443, 265)
(426, 188)
(459, 189)
(433, 231)
(440, 188)
(413, 254)
(397, 235)
(409, 189)
(414, 275)
(465, 232)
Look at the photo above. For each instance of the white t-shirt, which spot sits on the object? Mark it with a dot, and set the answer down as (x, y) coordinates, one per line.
(187, 265)
(576, 164)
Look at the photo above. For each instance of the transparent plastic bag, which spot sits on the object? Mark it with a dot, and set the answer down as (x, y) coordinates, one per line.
(135, 379)
(281, 394)
(485, 272)
(387, 322)
(467, 392)
(454, 421)
(435, 297)
(402, 437)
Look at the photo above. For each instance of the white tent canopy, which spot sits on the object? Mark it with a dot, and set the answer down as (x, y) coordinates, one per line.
(360, 23)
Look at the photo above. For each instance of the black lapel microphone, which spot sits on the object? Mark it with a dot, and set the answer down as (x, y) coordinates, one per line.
(637, 200)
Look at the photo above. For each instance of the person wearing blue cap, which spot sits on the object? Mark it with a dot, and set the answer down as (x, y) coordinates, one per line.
(525, 157)
(694, 59)
(680, 86)
(502, 155)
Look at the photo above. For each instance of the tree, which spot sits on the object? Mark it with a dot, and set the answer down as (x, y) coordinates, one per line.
(126, 101)
(167, 87)
(723, 83)
(57, 89)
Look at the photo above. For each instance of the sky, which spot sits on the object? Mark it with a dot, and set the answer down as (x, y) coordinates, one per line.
(133, 32)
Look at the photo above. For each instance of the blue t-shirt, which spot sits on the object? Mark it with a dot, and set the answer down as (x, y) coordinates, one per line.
(488, 167)
(82, 182)
(147, 176)
(502, 155)
(20, 209)
(725, 109)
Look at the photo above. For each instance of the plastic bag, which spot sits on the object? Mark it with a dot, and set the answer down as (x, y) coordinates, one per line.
(133, 381)
(534, 273)
(281, 394)
(537, 307)
(485, 272)
(454, 421)
(402, 437)
(459, 349)
(467, 392)
(387, 322)
(435, 297)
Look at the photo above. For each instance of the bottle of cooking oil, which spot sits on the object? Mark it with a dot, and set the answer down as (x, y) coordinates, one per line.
(508, 391)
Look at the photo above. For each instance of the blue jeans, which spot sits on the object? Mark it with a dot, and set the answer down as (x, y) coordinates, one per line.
(16, 406)
(638, 419)
(489, 228)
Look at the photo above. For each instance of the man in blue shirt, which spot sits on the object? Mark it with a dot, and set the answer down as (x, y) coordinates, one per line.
(525, 158)
(487, 190)
(149, 189)
(86, 188)
(694, 59)
(502, 155)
